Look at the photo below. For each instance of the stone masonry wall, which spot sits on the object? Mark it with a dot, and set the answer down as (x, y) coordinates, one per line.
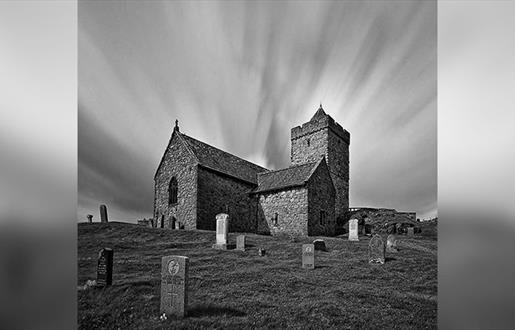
(321, 197)
(291, 207)
(178, 162)
(326, 138)
(215, 191)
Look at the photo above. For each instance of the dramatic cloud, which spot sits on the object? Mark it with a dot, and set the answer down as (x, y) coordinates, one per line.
(240, 75)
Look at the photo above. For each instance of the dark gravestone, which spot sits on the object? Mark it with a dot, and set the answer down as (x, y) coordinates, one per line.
(411, 231)
(240, 242)
(103, 213)
(308, 256)
(319, 245)
(174, 285)
(376, 250)
(90, 218)
(105, 267)
(391, 243)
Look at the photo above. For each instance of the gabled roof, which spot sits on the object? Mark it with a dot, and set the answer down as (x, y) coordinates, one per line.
(221, 161)
(286, 178)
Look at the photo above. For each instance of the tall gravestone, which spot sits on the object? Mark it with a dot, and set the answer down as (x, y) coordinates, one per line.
(240, 242)
(103, 213)
(353, 230)
(376, 250)
(391, 243)
(411, 231)
(308, 256)
(222, 229)
(90, 218)
(105, 267)
(174, 285)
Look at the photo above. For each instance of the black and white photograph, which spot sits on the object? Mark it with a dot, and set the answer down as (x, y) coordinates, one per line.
(257, 164)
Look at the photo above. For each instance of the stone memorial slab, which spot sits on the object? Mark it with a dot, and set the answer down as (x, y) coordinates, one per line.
(222, 229)
(353, 230)
(319, 245)
(240, 242)
(174, 285)
(105, 267)
(308, 256)
(103, 213)
(391, 243)
(411, 231)
(90, 218)
(376, 250)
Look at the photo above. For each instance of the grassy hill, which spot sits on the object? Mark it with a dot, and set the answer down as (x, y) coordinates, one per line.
(234, 289)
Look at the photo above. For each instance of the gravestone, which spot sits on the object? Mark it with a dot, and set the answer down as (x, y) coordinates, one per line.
(376, 250)
(308, 256)
(222, 228)
(240, 243)
(105, 267)
(319, 245)
(261, 252)
(174, 285)
(391, 243)
(411, 231)
(353, 230)
(103, 213)
(90, 218)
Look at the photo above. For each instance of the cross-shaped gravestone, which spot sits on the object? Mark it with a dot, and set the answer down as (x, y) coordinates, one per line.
(174, 285)
(105, 267)
(308, 256)
(90, 218)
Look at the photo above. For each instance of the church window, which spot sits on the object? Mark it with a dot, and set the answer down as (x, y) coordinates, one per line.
(274, 220)
(172, 191)
(308, 142)
(322, 217)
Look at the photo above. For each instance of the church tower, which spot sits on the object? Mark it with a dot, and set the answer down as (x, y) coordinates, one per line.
(322, 136)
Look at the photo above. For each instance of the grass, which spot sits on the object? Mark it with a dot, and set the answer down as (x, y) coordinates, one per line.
(234, 289)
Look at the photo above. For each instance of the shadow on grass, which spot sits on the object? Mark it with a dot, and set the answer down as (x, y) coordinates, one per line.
(201, 311)
(387, 259)
(317, 267)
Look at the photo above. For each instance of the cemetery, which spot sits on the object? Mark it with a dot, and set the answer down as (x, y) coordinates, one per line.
(153, 278)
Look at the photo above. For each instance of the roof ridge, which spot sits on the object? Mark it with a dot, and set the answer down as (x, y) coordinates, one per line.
(185, 135)
(288, 168)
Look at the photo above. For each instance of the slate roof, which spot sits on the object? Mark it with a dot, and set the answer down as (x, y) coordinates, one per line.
(285, 178)
(222, 161)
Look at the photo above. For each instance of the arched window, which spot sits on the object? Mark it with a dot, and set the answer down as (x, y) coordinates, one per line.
(172, 191)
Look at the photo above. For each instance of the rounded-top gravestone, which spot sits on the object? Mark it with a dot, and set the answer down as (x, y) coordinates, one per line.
(376, 250)
(319, 245)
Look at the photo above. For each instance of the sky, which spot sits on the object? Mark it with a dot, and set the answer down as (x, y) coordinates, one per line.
(239, 76)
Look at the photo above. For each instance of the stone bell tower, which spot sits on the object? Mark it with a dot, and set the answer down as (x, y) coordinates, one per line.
(323, 137)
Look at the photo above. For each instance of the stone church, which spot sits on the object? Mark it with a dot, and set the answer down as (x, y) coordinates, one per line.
(195, 181)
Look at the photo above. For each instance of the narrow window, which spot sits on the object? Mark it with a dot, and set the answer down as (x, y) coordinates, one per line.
(274, 220)
(172, 191)
(308, 142)
(322, 217)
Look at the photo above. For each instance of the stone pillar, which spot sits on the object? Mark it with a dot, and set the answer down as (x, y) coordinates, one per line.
(103, 213)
